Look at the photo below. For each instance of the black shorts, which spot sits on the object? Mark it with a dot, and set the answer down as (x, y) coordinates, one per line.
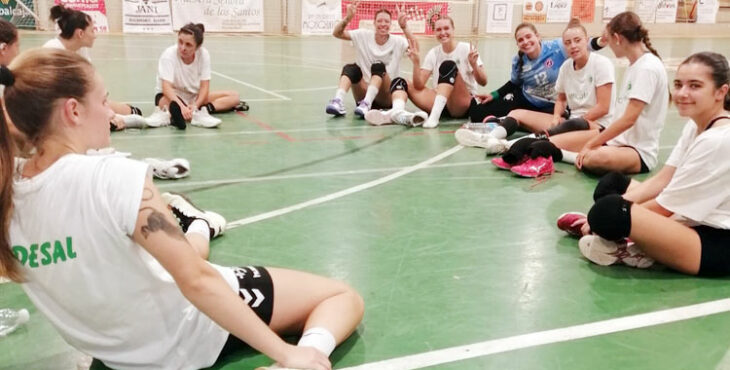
(644, 167)
(256, 288)
(715, 254)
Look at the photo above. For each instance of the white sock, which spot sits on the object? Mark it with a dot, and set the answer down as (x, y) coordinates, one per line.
(370, 94)
(568, 156)
(319, 338)
(199, 227)
(499, 132)
(438, 107)
(340, 94)
(399, 104)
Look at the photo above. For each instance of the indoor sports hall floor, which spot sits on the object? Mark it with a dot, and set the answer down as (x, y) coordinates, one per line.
(460, 264)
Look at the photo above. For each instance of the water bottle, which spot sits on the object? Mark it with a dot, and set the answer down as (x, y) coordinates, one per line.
(10, 320)
(482, 127)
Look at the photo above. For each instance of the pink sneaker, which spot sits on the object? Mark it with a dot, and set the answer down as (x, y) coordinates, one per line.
(535, 167)
(605, 252)
(501, 164)
(572, 222)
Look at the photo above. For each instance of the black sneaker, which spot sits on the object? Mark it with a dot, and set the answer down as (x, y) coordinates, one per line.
(241, 107)
(186, 213)
(176, 117)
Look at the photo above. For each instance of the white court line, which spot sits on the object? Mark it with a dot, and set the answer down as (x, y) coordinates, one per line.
(310, 174)
(256, 132)
(308, 89)
(490, 347)
(342, 193)
(282, 97)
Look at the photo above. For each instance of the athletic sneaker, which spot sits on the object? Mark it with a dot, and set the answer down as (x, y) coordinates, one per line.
(186, 213)
(572, 223)
(159, 118)
(605, 252)
(362, 109)
(336, 107)
(501, 164)
(134, 121)
(176, 168)
(378, 117)
(241, 106)
(472, 138)
(535, 167)
(409, 119)
(202, 118)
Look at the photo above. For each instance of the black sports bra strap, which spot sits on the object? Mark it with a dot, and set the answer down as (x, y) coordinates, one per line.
(715, 120)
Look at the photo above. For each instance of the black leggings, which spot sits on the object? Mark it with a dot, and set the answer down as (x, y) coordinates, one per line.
(501, 107)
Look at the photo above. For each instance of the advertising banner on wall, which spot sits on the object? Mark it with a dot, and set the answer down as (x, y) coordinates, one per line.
(558, 11)
(419, 14)
(219, 15)
(585, 10)
(94, 8)
(666, 11)
(319, 17)
(534, 11)
(12, 12)
(499, 16)
(707, 11)
(146, 16)
(646, 10)
(611, 8)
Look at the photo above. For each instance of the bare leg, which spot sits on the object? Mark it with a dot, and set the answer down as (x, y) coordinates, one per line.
(676, 246)
(574, 140)
(536, 122)
(303, 301)
(384, 98)
(120, 108)
(612, 158)
(459, 98)
(359, 90)
(223, 100)
(423, 98)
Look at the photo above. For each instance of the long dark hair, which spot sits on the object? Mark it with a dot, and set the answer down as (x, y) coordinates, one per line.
(718, 65)
(69, 20)
(34, 83)
(520, 54)
(628, 25)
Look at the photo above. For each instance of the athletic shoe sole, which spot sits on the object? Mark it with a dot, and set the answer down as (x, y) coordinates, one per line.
(469, 138)
(377, 117)
(598, 250)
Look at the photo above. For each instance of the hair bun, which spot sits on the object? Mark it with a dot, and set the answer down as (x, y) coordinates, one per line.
(6, 76)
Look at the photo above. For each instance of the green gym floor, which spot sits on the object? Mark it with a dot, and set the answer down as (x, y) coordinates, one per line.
(460, 264)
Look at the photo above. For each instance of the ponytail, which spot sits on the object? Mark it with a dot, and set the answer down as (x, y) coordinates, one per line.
(628, 25)
(9, 267)
(69, 20)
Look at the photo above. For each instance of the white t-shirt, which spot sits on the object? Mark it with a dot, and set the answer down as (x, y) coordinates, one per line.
(104, 293)
(460, 56)
(580, 86)
(699, 191)
(55, 43)
(185, 78)
(645, 80)
(367, 52)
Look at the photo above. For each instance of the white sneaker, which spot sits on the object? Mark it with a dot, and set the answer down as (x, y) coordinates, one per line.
(186, 213)
(134, 121)
(158, 118)
(473, 138)
(176, 168)
(605, 252)
(409, 119)
(202, 118)
(377, 117)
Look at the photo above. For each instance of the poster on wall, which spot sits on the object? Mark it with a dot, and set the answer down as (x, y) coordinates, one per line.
(220, 16)
(319, 17)
(707, 11)
(94, 8)
(146, 16)
(646, 10)
(558, 11)
(585, 10)
(419, 13)
(499, 16)
(16, 14)
(611, 8)
(534, 11)
(666, 11)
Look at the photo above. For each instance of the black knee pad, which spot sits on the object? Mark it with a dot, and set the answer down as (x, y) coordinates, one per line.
(135, 110)
(510, 125)
(399, 83)
(610, 217)
(176, 117)
(611, 183)
(518, 150)
(378, 69)
(353, 72)
(447, 72)
(158, 97)
(574, 124)
(544, 148)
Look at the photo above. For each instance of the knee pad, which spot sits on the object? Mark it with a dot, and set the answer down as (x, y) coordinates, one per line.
(510, 125)
(158, 97)
(447, 72)
(399, 83)
(136, 110)
(610, 217)
(353, 72)
(611, 183)
(378, 69)
(574, 124)
(518, 150)
(544, 148)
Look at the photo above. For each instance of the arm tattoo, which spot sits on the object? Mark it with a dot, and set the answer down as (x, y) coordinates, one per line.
(157, 221)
